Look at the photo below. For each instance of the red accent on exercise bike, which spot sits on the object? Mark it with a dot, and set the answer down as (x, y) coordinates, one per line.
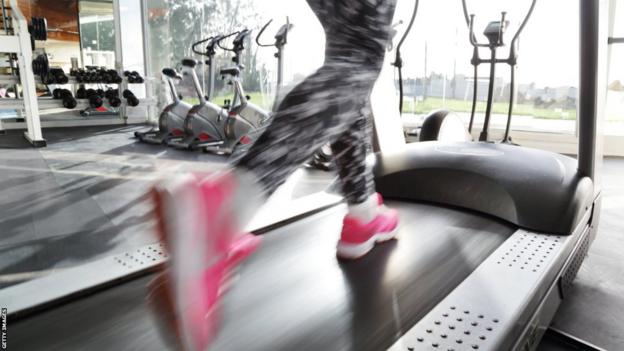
(177, 132)
(204, 137)
(245, 140)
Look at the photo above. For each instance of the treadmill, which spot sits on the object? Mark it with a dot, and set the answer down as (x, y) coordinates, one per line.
(490, 239)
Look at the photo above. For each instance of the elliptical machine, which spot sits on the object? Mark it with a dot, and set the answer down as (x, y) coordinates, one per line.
(171, 120)
(442, 123)
(203, 124)
(494, 32)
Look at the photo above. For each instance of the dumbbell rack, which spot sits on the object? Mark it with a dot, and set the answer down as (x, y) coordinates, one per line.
(30, 107)
(19, 43)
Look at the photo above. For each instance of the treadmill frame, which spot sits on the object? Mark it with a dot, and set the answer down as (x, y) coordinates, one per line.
(529, 297)
(512, 292)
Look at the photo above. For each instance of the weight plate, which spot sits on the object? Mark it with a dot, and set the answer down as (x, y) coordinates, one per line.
(44, 29)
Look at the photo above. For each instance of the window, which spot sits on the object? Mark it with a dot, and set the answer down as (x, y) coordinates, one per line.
(174, 25)
(614, 112)
(439, 74)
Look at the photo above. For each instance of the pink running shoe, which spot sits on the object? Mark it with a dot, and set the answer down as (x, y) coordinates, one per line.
(358, 238)
(195, 224)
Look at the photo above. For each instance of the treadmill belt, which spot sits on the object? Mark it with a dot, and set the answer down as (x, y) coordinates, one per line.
(293, 294)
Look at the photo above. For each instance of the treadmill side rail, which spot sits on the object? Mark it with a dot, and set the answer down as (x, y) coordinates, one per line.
(493, 307)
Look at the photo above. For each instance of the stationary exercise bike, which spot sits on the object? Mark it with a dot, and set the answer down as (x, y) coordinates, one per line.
(246, 121)
(203, 126)
(171, 120)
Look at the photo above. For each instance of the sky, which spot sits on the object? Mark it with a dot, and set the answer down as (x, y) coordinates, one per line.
(548, 52)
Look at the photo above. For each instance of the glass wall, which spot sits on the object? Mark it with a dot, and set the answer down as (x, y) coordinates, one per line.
(615, 93)
(174, 25)
(439, 74)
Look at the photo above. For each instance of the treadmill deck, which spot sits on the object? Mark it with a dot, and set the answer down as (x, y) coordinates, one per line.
(294, 294)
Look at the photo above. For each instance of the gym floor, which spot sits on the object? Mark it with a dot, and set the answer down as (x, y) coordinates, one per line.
(85, 197)
(595, 308)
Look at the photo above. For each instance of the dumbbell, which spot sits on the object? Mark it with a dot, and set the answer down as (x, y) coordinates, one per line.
(81, 93)
(48, 79)
(112, 95)
(59, 75)
(56, 93)
(130, 98)
(68, 99)
(103, 76)
(91, 77)
(115, 78)
(95, 100)
(78, 74)
(133, 77)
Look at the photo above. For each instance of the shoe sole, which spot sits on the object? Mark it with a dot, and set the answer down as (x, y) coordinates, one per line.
(350, 251)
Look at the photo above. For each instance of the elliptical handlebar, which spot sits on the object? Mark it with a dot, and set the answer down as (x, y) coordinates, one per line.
(514, 40)
(398, 60)
(470, 23)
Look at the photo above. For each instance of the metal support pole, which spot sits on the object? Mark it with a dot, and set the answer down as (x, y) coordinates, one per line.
(588, 85)
(211, 78)
(490, 97)
(475, 86)
(27, 78)
(512, 98)
(119, 66)
(280, 76)
(147, 61)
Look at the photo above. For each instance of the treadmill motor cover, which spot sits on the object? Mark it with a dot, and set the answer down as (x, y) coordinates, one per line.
(533, 189)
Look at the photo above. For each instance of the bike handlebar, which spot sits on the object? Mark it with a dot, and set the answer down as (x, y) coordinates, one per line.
(238, 42)
(210, 48)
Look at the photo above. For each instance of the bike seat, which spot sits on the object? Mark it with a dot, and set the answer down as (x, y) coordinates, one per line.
(232, 71)
(171, 73)
(189, 62)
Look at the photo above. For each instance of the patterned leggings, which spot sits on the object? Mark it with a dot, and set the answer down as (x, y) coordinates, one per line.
(333, 104)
